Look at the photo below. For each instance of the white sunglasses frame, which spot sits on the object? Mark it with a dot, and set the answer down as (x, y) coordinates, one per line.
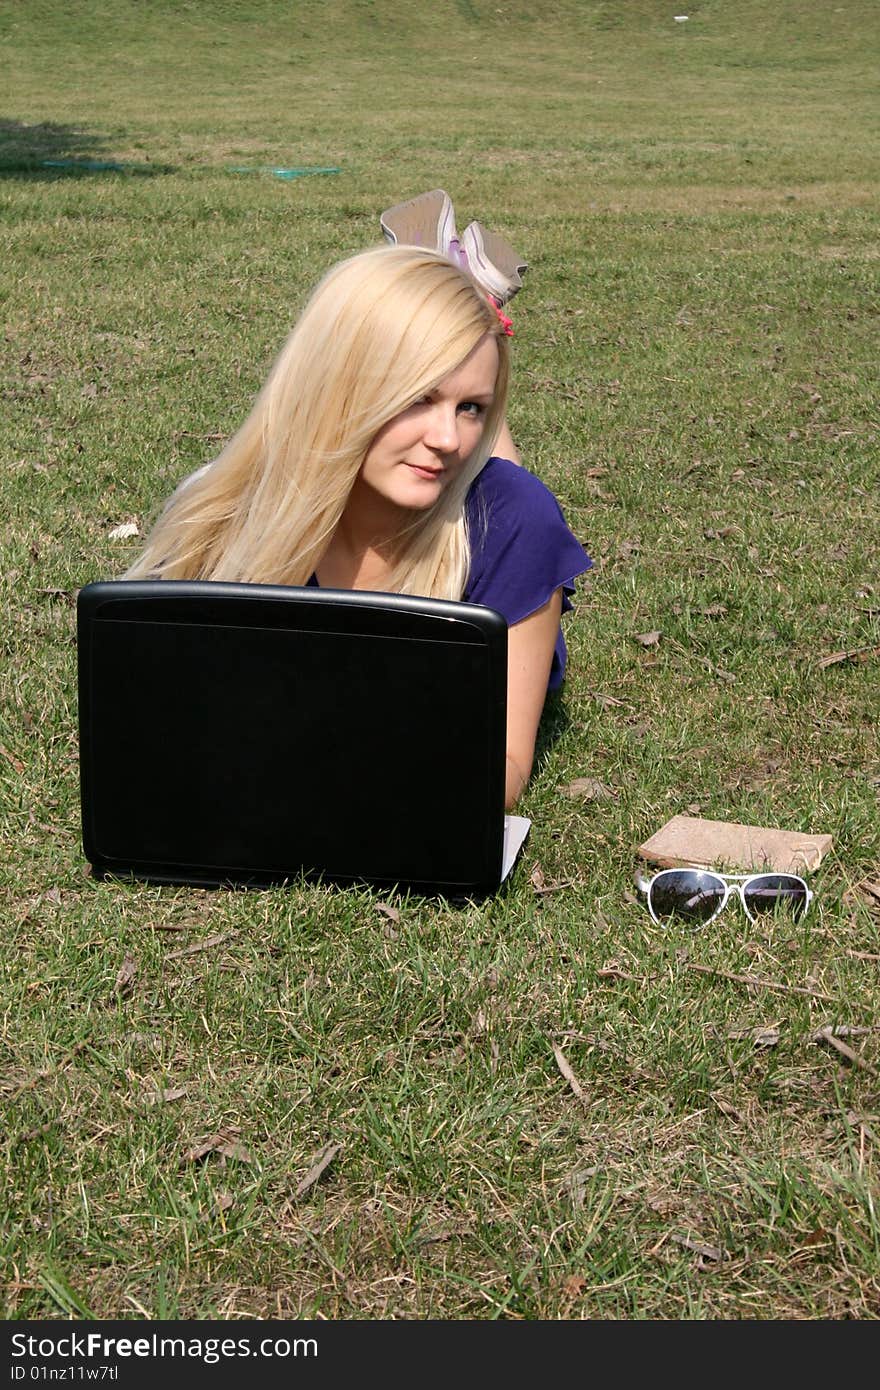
(734, 884)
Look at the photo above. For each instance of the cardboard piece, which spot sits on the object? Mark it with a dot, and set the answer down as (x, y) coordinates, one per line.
(720, 844)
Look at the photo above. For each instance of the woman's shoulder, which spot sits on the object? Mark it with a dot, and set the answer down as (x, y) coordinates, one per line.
(510, 484)
(508, 492)
(521, 545)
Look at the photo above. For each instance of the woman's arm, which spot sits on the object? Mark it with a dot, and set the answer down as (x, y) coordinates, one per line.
(530, 645)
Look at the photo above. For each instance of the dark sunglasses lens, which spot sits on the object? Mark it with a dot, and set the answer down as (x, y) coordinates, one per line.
(687, 894)
(769, 892)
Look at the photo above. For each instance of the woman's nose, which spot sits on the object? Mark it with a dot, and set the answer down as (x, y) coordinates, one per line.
(441, 429)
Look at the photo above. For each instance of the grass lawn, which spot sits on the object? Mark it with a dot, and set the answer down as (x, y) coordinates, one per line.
(542, 1106)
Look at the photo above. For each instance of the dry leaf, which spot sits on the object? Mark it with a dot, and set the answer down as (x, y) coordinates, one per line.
(225, 1142)
(608, 701)
(639, 730)
(817, 1237)
(706, 1252)
(576, 1184)
(164, 1097)
(324, 1159)
(727, 1109)
(19, 766)
(574, 1285)
(647, 639)
(540, 884)
(124, 531)
(443, 1231)
(767, 1036)
(126, 975)
(588, 789)
(388, 911)
(479, 1024)
(66, 594)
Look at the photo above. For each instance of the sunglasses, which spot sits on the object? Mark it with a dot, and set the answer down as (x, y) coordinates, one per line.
(696, 896)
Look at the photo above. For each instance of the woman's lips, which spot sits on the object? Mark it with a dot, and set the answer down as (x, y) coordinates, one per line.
(432, 474)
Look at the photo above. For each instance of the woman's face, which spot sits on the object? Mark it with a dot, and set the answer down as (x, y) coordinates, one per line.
(418, 453)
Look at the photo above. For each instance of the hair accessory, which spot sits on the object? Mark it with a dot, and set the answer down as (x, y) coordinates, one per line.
(506, 323)
(429, 220)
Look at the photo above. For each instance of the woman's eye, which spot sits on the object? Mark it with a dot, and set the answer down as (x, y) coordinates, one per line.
(473, 409)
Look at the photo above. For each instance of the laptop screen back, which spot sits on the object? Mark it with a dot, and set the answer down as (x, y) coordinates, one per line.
(247, 733)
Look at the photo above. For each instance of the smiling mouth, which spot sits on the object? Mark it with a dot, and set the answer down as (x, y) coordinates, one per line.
(432, 474)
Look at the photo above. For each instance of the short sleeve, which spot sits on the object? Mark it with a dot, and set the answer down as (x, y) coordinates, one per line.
(522, 549)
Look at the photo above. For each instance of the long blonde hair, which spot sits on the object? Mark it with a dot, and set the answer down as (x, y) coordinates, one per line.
(381, 330)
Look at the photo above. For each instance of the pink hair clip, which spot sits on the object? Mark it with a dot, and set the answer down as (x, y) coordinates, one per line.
(506, 323)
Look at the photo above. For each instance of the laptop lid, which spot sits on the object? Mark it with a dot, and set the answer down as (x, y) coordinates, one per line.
(247, 733)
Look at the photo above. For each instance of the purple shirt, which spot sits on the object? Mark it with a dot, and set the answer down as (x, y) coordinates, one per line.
(521, 549)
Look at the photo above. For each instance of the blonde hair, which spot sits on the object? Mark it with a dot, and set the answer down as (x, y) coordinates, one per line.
(381, 330)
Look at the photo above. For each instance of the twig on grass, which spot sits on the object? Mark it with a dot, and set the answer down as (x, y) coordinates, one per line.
(762, 984)
(553, 887)
(826, 1035)
(325, 1158)
(706, 1252)
(565, 1067)
(205, 945)
(844, 1030)
(854, 654)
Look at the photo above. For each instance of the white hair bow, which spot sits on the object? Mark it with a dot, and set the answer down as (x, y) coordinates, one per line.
(429, 220)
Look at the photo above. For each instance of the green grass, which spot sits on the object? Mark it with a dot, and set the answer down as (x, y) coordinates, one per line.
(695, 368)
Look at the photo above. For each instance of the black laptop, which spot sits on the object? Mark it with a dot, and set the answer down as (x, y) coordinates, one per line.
(248, 734)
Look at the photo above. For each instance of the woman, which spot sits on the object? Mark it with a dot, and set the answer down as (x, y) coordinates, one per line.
(365, 464)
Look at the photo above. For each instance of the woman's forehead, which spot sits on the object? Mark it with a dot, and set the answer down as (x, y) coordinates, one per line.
(478, 373)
